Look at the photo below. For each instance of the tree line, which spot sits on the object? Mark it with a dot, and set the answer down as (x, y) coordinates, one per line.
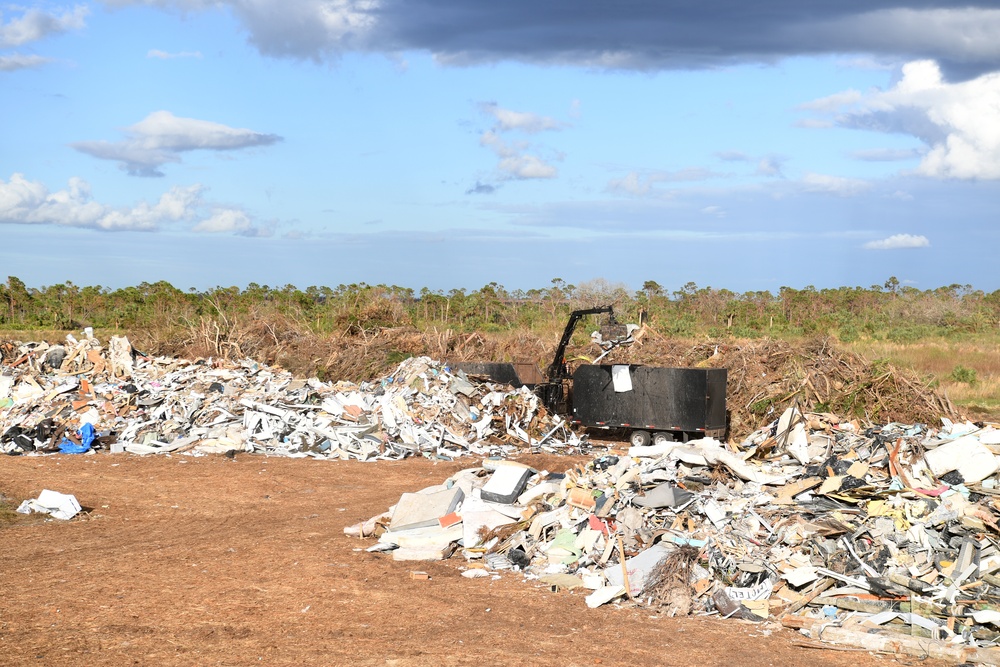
(890, 311)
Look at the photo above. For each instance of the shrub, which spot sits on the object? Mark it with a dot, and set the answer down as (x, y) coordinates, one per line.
(964, 374)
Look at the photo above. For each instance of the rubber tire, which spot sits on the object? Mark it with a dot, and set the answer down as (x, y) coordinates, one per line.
(639, 438)
(662, 438)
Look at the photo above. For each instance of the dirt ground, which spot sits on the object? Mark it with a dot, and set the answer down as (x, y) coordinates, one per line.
(211, 561)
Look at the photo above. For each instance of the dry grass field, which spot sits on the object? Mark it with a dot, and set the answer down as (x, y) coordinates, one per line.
(968, 371)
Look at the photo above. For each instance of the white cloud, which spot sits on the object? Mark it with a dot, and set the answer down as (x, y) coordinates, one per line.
(31, 203)
(305, 29)
(161, 136)
(524, 167)
(959, 122)
(835, 185)
(228, 220)
(897, 241)
(316, 25)
(18, 61)
(35, 24)
(714, 211)
(531, 123)
(164, 55)
(492, 140)
(515, 163)
(162, 129)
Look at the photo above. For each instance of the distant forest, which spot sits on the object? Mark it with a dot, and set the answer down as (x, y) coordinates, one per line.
(883, 312)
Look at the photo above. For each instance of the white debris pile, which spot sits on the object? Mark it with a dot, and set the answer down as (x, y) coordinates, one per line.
(58, 505)
(885, 530)
(77, 397)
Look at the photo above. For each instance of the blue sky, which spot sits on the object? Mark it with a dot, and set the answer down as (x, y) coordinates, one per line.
(447, 144)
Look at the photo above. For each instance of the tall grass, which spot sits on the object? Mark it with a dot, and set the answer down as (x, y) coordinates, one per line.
(949, 361)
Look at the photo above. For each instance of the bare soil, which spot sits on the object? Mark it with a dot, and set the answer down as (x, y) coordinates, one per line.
(211, 561)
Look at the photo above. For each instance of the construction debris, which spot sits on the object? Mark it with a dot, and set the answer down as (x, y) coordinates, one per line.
(78, 397)
(885, 537)
(886, 533)
(57, 505)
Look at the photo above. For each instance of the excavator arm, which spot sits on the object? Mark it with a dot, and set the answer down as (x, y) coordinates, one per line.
(551, 391)
(557, 370)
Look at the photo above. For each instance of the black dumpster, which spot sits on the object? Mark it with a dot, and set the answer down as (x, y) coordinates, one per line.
(685, 401)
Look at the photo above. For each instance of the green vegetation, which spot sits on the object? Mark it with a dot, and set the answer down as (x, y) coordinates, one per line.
(952, 333)
(878, 313)
(964, 375)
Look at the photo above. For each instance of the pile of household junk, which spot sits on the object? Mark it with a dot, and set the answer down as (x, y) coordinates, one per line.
(883, 537)
(78, 397)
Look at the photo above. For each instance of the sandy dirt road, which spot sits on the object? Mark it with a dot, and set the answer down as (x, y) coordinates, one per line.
(210, 561)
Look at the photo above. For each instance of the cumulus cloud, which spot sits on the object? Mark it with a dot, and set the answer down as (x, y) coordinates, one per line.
(27, 202)
(34, 24)
(30, 202)
(646, 34)
(897, 241)
(164, 55)
(958, 122)
(161, 137)
(515, 162)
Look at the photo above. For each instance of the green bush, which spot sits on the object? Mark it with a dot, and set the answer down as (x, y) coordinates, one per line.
(848, 333)
(963, 374)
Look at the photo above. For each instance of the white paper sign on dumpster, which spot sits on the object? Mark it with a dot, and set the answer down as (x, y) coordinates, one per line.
(621, 378)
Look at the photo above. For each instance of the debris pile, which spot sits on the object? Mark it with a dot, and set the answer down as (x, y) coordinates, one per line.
(881, 532)
(76, 397)
(57, 505)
